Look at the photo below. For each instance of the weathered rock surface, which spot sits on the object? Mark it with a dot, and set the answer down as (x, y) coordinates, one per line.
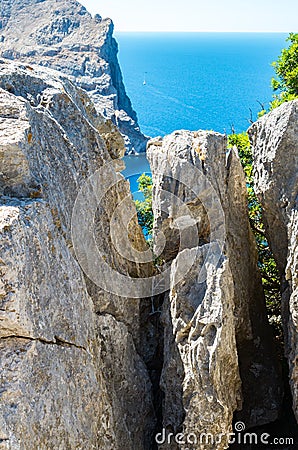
(275, 144)
(81, 365)
(62, 35)
(71, 371)
(215, 319)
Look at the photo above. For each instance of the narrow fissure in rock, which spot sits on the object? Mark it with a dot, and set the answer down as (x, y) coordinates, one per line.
(151, 343)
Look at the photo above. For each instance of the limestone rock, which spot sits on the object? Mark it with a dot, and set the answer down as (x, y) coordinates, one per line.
(71, 371)
(274, 138)
(49, 396)
(28, 233)
(216, 323)
(80, 360)
(62, 35)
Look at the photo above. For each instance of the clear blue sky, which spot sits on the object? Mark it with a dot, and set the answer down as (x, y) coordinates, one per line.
(198, 15)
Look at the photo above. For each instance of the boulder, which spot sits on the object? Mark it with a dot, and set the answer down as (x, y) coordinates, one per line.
(219, 357)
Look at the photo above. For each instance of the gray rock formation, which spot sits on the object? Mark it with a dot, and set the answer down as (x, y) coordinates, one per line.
(84, 365)
(275, 144)
(71, 371)
(215, 319)
(62, 35)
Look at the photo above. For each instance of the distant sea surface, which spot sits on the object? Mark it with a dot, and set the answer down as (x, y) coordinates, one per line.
(197, 81)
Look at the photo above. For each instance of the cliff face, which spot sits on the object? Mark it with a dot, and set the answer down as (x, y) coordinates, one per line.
(274, 139)
(216, 329)
(99, 348)
(62, 35)
(71, 371)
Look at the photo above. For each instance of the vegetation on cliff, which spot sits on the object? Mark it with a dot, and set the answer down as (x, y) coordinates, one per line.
(266, 262)
(285, 83)
(285, 86)
(144, 207)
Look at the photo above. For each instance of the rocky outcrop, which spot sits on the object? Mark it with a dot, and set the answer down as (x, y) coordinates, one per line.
(62, 35)
(217, 346)
(274, 139)
(86, 361)
(72, 373)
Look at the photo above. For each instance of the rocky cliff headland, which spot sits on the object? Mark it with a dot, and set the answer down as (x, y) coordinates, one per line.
(62, 35)
(102, 346)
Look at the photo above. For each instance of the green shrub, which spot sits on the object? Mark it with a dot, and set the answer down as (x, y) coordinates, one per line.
(144, 207)
(285, 84)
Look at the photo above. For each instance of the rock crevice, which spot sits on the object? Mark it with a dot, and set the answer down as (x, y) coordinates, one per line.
(83, 365)
(274, 141)
(57, 341)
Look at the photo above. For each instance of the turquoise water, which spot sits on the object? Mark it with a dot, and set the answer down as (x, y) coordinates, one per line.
(135, 166)
(131, 161)
(198, 80)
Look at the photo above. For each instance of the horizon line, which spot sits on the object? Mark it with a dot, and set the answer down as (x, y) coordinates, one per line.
(200, 31)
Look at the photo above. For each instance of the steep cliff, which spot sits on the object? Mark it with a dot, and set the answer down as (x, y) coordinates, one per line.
(275, 144)
(216, 329)
(62, 35)
(71, 371)
(100, 349)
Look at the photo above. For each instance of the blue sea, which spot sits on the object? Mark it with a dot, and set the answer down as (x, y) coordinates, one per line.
(197, 81)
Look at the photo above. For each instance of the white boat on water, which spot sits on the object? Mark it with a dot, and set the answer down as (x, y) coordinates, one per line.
(145, 82)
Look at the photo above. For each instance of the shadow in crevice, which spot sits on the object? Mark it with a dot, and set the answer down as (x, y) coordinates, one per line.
(282, 434)
(152, 349)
